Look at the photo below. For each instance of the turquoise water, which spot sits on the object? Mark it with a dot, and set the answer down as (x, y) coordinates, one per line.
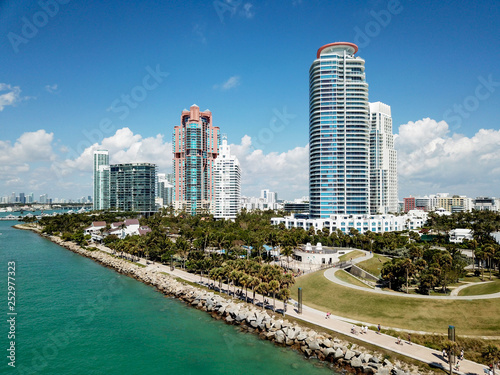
(77, 317)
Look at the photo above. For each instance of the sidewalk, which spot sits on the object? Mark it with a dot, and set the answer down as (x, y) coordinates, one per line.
(343, 326)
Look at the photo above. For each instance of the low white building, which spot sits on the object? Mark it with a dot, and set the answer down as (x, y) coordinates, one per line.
(414, 219)
(459, 235)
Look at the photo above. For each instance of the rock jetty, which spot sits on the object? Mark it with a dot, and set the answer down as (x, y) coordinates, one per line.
(248, 317)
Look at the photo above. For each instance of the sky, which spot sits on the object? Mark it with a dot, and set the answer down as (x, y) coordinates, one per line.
(76, 76)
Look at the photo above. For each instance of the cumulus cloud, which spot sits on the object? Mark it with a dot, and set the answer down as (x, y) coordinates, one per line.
(124, 147)
(231, 83)
(11, 97)
(285, 172)
(432, 159)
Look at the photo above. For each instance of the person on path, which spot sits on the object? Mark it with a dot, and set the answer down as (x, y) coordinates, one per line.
(399, 341)
(378, 328)
(444, 354)
(409, 339)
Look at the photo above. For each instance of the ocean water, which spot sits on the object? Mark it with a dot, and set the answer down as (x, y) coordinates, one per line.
(75, 316)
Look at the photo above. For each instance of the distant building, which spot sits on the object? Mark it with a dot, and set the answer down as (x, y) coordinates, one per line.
(101, 180)
(195, 148)
(486, 204)
(296, 207)
(227, 174)
(383, 161)
(165, 189)
(268, 200)
(409, 204)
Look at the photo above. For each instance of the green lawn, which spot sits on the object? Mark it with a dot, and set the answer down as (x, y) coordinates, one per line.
(483, 288)
(475, 317)
(351, 255)
(374, 265)
(348, 278)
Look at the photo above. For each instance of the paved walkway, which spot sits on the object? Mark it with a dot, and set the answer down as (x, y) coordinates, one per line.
(341, 325)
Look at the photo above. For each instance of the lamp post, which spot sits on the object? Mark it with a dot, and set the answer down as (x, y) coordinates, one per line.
(299, 310)
(171, 263)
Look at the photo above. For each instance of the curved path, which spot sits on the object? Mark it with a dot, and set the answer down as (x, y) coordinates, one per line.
(330, 275)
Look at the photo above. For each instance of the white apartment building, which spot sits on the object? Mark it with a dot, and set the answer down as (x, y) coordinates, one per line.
(413, 220)
(383, 161)
(227, 175)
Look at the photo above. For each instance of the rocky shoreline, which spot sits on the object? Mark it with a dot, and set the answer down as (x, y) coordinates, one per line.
(339, 353)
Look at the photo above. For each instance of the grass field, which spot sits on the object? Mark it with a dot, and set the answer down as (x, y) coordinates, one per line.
(348, 278)
(483, 288)
(474, 317)
(351, 255)
(374, 265)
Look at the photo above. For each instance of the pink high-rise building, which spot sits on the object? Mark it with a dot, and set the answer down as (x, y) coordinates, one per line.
(195, 148)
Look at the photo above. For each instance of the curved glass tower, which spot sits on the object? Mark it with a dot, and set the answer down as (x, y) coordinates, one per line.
(339, 133)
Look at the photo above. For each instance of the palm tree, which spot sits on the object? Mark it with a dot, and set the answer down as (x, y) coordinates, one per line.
(253, 282)
(244, 281)
(480, 256)
(287, 251)
(492, 354)
(274, 286)
(262, 288)
(489, 252)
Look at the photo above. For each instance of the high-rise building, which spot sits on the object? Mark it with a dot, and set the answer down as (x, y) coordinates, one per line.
(227, 175)
(101, 180)
(195, 148)
(383, 161)
(132, 187)
(339, 133)
(165, 189)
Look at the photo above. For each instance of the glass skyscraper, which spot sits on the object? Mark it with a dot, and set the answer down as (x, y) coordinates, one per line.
(132, 187)
(339, 133)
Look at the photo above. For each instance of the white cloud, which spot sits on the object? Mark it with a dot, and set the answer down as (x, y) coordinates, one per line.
(231, 83)
(11, 97)
(431, 159)
(286, 173)
(124, 147)
(51, 88)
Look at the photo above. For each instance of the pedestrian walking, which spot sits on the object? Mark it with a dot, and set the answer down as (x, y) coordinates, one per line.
(444, 354)
(409, 339)
(378, 329)
(399, 341)
(462, 355)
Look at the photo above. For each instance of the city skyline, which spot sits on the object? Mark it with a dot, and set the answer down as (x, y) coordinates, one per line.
(130, 86)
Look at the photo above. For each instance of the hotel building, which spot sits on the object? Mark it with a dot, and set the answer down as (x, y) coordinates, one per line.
(101, 180)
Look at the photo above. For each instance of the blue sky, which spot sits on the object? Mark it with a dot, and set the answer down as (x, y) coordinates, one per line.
(68, 66)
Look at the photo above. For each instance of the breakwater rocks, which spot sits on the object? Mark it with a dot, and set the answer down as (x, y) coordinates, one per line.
(253, 319)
